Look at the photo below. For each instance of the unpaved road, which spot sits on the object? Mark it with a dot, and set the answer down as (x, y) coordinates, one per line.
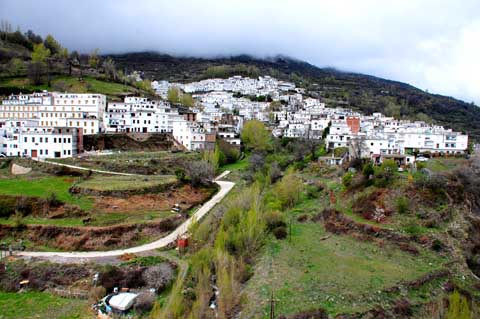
(225, 188)
(83, 168)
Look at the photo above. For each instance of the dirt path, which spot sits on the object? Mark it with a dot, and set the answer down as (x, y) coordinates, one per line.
(225, 188)
(84, 169)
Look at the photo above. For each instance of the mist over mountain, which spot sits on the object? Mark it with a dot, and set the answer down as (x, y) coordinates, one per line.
(361, 92)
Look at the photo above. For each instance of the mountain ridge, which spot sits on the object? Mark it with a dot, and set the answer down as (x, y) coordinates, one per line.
(361, 92)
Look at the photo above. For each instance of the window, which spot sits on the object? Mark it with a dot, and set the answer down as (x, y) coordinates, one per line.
(46, 152)
(33, 139)
(46, 139)
(41, 139)
(54, 140)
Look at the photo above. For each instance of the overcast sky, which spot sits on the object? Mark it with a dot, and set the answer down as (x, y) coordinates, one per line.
(432, 44)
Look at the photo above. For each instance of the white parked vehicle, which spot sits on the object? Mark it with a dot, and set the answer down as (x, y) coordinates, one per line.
(422, 159)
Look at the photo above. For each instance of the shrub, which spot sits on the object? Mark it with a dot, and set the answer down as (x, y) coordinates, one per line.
(437, 245)
(347, 179)
(96, 293)
(53, 200)
(414, 229)
(274, 220)
(402, 204)
(302, 218)
(180, 174)
(158, 277)
(7, 206)
(458, 307)
(18, 220)
(288, 190)
(144, 302)
(274, 172)
(280, 232)
(368, 170)
(200, 172)
(402, 307)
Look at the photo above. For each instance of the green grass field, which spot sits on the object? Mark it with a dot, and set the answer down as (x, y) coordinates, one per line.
(43, 187)
(125, 183)
(41, 305)
(334, 274)
(73, 84)
(99, 219)
(162, 162)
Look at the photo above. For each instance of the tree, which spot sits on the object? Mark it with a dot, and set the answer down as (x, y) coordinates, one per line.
(33, 38)
(40, 53)
(16, 66)
(37, 68)
(230, 153)
(93, 59)
(357, 147)
(109, 68)
(212, 157)
(187, 100)
(52, 44)
(255, 135)
(20, 39)
(173, 95)
(288, 189)
(199, 172)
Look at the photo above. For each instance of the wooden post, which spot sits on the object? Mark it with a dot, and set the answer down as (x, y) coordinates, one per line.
(272, 307)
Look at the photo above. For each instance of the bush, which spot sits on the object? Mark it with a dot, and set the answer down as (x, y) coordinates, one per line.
(288, 190)
(200, 172)
(274, 220)
(96, 293)
(280, 232)
(53, 200)
(402, 204)
(347, 179)
(158, 277)
(458, 307)
(230, 153)
(437, 245)
(7, 206)
(368, 170)
(144, 302)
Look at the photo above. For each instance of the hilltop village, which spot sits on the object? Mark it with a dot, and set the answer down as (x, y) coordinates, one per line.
(52, 124)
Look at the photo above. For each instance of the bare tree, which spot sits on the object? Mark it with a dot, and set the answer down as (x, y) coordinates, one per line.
(357, 147)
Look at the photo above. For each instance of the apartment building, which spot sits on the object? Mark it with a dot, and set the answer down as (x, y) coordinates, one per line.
(30, 140)
(140, 115)
(73, 110)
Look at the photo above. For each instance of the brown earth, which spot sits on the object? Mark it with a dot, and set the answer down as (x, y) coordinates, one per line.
(186, 196)
(91, 238)
(128, 142)
(337, 223)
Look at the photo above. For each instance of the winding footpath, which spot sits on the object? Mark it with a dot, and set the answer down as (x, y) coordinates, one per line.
(225, 188)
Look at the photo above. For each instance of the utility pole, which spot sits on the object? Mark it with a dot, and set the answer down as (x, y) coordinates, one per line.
(272, 307)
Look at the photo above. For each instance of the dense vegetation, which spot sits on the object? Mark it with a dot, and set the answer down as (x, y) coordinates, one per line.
(361, 92)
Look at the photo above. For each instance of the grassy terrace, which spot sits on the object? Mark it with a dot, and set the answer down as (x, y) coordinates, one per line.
(100, 219)
(41, 305)
(334, 273)
(73, 84)
(43, 187)
(124, 183)
(161, 162)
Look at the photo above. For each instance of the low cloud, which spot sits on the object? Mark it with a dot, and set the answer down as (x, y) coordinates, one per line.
(432, 44)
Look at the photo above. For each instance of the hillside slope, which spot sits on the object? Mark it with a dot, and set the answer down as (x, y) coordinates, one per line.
(361, 92)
